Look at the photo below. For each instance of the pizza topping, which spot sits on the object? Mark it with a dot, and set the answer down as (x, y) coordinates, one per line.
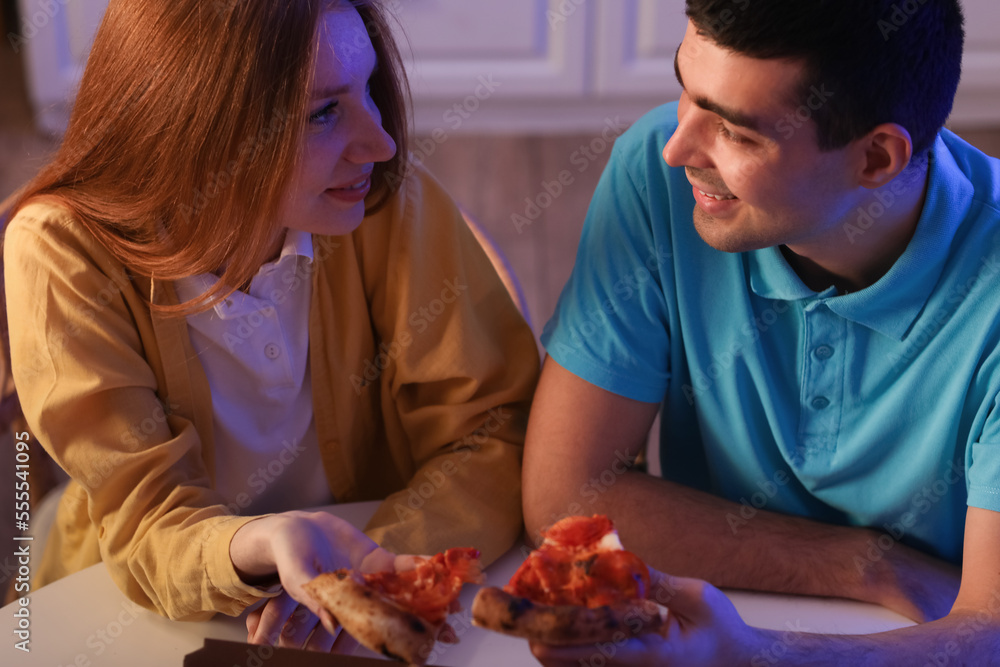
(579, 532)
(430, 590)
(581, 562)
(580, 586)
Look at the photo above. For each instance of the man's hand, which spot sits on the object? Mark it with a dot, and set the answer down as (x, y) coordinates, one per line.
(703, 629)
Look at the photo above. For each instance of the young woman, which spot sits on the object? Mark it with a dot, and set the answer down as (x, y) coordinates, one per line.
(231, 298)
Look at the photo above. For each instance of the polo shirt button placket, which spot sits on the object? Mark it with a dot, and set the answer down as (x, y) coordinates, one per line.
(820, 403)
(823, 352)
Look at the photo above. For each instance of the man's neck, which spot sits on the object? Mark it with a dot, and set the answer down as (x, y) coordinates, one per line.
(875, 236)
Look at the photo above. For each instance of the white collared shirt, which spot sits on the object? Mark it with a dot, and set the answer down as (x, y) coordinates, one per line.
(254, 347)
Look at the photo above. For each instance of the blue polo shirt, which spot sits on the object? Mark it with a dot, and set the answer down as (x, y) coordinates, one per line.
(877, 408)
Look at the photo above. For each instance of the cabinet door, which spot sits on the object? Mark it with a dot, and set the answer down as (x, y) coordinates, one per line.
(636, 41)
(528, 48)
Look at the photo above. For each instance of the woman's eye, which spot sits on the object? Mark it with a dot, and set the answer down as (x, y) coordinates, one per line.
(323, 115)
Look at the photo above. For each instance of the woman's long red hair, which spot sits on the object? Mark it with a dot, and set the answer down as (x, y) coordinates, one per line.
(186, 129)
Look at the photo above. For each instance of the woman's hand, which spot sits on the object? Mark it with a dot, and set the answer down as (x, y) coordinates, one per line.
(293, 548)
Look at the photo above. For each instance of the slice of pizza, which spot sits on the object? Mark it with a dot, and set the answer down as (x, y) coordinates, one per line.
(579, 586)
(398, 614)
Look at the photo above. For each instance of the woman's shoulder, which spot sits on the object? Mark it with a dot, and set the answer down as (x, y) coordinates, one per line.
(48, 227)
(42, 213)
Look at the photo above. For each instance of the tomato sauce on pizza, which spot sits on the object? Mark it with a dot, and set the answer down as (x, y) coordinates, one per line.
(581, 562)
(430, 590)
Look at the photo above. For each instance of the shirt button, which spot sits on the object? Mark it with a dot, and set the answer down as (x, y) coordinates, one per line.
(820, 402)
(272, 351)
(823, 352)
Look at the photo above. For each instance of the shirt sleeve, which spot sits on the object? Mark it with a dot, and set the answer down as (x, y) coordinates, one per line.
(984, 464)
(139, 482)
(610, 326)
(455, 399)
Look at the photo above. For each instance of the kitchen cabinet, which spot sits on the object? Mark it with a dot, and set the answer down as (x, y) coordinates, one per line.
(528, 66)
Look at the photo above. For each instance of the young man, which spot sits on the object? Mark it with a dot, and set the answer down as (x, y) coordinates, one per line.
(821, 336)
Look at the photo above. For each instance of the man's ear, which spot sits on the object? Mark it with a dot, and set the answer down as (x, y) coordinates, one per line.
(882, 154)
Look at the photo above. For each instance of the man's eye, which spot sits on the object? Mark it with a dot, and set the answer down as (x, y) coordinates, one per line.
(730, 135)
(323, 115)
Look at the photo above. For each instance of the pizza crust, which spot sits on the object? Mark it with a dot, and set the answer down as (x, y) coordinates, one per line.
(377, 623)
(497, 610)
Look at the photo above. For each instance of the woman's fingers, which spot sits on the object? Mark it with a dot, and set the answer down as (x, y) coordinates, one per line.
(270, 620)
(283, 622)
(300, 627)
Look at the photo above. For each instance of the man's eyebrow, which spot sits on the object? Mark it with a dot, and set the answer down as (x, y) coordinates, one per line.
(677, 68)
(737, 118)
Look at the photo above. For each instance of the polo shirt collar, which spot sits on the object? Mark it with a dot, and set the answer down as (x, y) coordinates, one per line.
(892, 304)
(297, 244)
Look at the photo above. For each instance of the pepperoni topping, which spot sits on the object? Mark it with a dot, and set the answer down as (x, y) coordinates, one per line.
(575, 566)
(579, 531)
(430, 590)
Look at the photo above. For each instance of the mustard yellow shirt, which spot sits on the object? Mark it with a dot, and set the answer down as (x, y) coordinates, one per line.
(422, 371)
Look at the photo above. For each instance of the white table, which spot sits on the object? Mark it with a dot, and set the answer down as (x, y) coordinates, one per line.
(83, 621)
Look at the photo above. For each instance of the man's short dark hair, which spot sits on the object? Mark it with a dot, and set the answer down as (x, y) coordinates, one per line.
(872, 61)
